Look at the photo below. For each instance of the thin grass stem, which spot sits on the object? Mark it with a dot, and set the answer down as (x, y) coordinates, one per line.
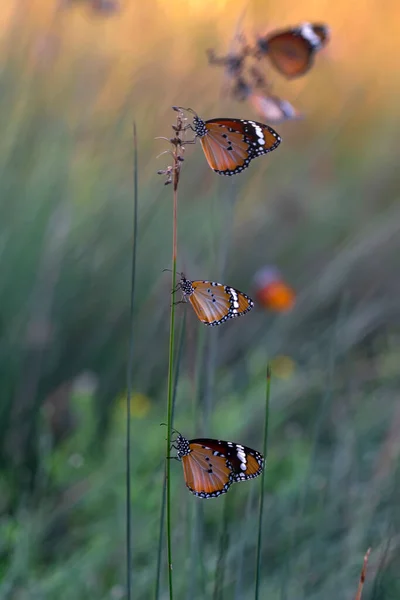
(170, 396)
(220, 568)
(163, 496)
(129, 375)
(260, 515)
(172, 176)
(363, 575)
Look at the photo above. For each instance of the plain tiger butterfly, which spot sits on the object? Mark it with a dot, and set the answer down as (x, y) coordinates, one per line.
(273, 108)
(292, 51)
(214, 303)
(211, 466)
(229, 145)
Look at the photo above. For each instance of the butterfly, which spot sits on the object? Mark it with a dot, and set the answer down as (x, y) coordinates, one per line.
(214, 303)
(292, 51)
(273, 108)
(211, 466)
(229, 145)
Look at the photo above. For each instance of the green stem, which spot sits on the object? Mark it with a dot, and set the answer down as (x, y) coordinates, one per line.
(162, 511)
(265, 449)
(170, 391)
(129, 376)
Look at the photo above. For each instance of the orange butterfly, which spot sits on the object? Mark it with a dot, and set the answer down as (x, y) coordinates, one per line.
(211, 466)
(292, 51)
(214, 303)
(229, 145)
(273, 108)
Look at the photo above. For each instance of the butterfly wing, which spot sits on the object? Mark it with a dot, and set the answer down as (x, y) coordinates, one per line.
(321, 31)
(273, 108)
(230, 145)
(215, 303)
(290, 53)
(206, 474)
(245, 463)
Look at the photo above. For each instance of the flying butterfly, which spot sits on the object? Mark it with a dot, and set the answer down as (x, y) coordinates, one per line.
(211, 466)
(273, 108)
(229, 145)
(292, 51)
(214, 303)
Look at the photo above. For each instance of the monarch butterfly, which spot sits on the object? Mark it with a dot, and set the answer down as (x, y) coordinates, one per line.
(229, 145)
(214, 303)
(273, 108)
(292, 51)
(211, 466)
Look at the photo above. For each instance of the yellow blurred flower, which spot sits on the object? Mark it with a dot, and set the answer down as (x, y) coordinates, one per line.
(282, 367)
(140, 405)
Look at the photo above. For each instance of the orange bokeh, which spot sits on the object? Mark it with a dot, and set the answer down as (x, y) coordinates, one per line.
(272, 292)
(276, 296)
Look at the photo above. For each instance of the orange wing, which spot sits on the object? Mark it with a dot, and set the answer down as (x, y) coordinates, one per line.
(290, 54)
(223, 158)
(230, 145)
(206, 475)
(215, 303)
(244, 462)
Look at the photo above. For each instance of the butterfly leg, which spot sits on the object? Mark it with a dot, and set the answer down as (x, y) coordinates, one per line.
(176, 288)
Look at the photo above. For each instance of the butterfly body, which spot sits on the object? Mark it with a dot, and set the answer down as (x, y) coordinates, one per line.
(292, 51)
(214, 303)
(230, 145)
(211, 466)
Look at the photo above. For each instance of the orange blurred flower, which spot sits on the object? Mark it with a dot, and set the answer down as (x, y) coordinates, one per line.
(272, 292)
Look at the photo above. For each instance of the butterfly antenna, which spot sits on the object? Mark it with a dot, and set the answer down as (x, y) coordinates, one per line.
(181, 108)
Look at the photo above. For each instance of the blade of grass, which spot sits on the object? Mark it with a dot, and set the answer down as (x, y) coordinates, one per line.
(163, 496)
(169, 400)
(245, 528)
(362, 576)
(260, 515)
(129, 375)
(220, 568)
(196, 515)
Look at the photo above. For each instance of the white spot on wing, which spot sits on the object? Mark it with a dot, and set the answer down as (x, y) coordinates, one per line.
(307, 32)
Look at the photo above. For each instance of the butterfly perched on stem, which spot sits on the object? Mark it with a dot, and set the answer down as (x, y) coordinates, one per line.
(292, 51)
(214, 303)
(229, 145)
(211, 466)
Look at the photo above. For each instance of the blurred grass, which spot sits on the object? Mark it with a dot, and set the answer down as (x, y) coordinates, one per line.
(324, 208)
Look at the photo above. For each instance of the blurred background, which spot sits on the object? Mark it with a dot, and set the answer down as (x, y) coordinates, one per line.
(323, 209)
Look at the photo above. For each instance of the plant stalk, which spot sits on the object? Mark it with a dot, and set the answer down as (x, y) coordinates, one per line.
(260, 516)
